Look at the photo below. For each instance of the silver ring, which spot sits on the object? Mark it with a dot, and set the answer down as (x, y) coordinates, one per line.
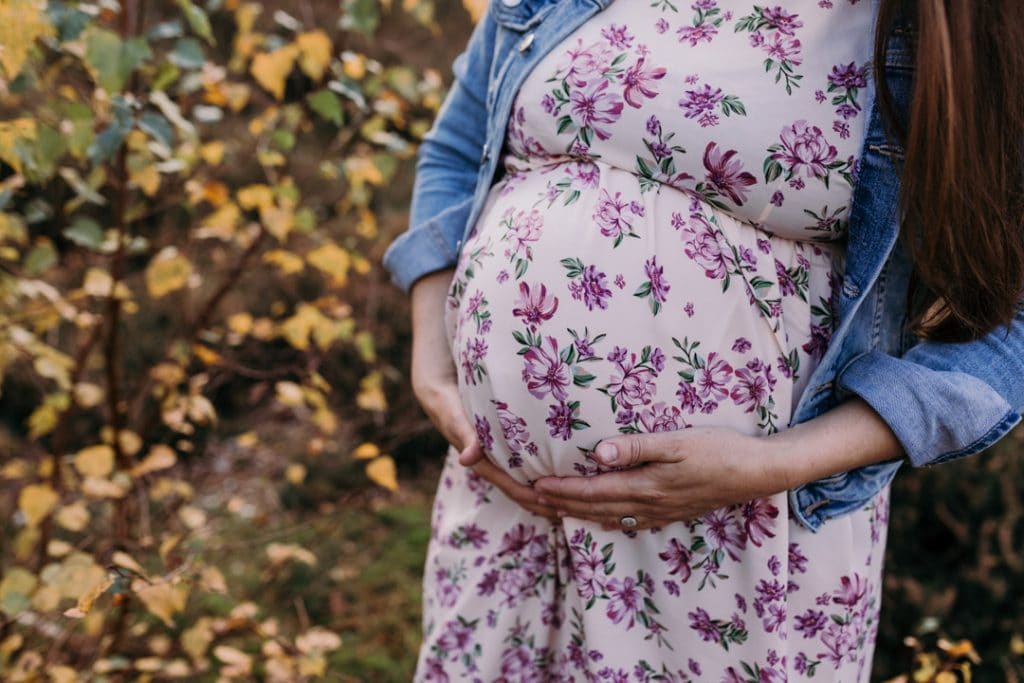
(628, 522)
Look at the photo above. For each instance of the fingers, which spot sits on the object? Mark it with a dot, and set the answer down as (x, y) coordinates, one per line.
(631, 486)
(444, 408)
(630, 450)
(525, 496)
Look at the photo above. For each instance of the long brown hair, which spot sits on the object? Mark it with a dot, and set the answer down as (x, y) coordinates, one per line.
(962, 184)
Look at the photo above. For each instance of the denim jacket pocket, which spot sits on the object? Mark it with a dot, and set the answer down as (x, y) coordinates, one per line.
(520, 15)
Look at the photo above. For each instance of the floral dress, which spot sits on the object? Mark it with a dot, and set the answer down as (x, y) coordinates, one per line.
(661, 251)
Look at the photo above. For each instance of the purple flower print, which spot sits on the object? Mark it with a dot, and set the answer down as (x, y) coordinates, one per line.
(585, 172)
(711, 380)
(759, 517)
(700, 240)
(472, 356)
(517, 664)
(741, 345)
(777, 198)
(483, 432)
(588, 568)
(849, 76)
(697, 102)
(434, 672)
(811, 622)
(694, 35)
(545, 372)
(624, 601)
(851, 591)
(700, 621)
(840, 644)
(456, 636)
(636, 80)
(468, 534)
(614, 216)
(618, 37)
(655, 287)
(804, 148)
(535, 307)
(781, 20)
(595, 107)
(662, 418)
(688, 398)
(562, 420)
(753, 386)
(783, 50)
(797, 560)
(725, 174)
(661, 25)
(677, 559)
(587, 284)
(724, 532)
(448, 589)
(632, 384)
(586, 63)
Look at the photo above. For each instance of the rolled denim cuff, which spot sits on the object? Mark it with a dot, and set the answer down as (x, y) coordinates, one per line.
(426, 248)
(936, 415)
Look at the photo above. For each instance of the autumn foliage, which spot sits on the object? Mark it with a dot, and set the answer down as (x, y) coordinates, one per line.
(156, 248)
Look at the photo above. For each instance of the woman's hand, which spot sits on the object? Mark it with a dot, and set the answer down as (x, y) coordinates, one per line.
(435, 385)
(671, 476)
(681, 475)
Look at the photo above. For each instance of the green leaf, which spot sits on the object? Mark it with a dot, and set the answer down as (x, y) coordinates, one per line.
(112, 60)
(40, 258)
(198, 20)
(85, 232)
(360, 15)
(109, 141)
(327, 105)
(157, 127)
(187, 54)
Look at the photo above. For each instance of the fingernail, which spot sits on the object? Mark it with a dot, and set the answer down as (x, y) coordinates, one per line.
(542, 500)
(607, 452)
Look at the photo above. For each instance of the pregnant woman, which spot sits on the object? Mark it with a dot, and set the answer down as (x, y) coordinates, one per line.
(662, 313)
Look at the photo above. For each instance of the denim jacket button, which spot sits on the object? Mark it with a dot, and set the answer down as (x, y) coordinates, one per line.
(485, 153)
(526, 43)
(510, 3)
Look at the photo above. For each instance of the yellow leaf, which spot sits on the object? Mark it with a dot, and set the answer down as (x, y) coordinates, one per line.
(277, 221)
(163, 600)
(288, 262)
(238, 662)
(255, 197)
(36, 501)
(1017, 644)
(295, 473)
(315, 48)
(205, 354)
(366, 451)
(21, 23)
(353, 64)
(160, 457)
(192, 516)
(59, 673)
(97, 487)
(212, 152)
(240, 323)
(197, 638)
(212, 579)
(73, 517)
(123, 559)
(270, 69)
(220, 224)
(333, 261)
(362, 170)
(317, 639)
(146, 178)
(167, 272)
(95, 461)
(278, 553)
(248, 439)
(371, 394)
(15, 588)
(382, 471)
(289, 393)
(11, 132)
(87, 395)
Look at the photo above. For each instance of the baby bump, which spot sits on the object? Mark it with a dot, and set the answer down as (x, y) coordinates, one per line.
(615, 311)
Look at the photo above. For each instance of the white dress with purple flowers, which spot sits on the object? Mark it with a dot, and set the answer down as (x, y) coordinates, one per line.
(660, 252)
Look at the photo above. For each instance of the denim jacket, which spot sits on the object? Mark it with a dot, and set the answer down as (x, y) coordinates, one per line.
(943, 401)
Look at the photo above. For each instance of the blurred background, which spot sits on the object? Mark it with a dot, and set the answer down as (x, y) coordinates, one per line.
(211, 464)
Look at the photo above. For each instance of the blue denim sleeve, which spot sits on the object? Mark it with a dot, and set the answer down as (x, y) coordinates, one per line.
(945, 401)
(447, 166)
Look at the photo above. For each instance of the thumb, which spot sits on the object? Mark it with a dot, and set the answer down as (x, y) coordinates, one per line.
(630, 450)
(472, 453)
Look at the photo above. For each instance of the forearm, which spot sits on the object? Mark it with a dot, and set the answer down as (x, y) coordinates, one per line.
(849, 436)
(430, 343)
